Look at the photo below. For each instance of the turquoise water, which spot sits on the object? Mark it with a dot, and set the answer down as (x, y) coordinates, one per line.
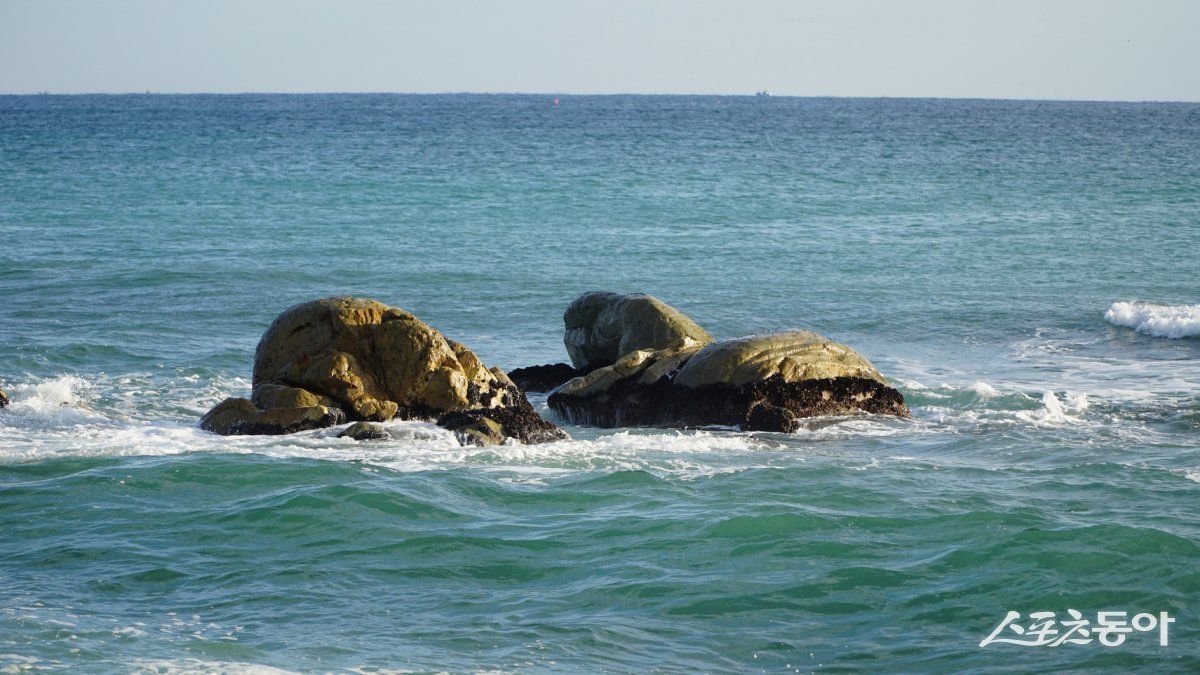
(1024, 272)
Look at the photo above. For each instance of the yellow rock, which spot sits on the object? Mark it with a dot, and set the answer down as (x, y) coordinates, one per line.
(372, 360)
(794, 355)
(268, 395)
(652, 365)
(602, 327)
(240, 416)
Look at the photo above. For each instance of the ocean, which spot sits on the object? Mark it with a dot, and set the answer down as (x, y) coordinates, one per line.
(1024, 272)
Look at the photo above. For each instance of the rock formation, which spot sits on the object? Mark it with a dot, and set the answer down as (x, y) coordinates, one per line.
(793, 355)
(365, 431)
(328, 361)
(601, 327)
(3, 399)
(239, 416)
(759, 383)
(636, 362)
(492, 426)
(544, 377)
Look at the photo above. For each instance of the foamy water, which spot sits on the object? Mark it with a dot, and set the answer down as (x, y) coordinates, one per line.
(1169, 321)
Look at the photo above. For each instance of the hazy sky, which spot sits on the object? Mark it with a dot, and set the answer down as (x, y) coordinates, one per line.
(1059, 49)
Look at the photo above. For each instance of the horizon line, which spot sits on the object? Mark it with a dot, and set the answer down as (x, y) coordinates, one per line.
(762, 94)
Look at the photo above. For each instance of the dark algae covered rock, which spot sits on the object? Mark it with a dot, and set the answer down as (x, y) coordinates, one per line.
(493, 426)
(544, 377)
(340, 359)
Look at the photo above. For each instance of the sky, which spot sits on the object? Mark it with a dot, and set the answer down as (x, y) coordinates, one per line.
(1117, 50)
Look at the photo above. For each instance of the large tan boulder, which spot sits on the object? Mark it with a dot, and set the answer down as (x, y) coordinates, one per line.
(343, 359)
(375, 361)
(601, 327)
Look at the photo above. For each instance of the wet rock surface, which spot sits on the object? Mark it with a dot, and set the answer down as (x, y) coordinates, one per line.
(773, 404)
(494, 426)
(636, 361)
(365, 431)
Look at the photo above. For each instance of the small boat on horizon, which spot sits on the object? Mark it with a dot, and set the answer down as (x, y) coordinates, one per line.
(764, 92)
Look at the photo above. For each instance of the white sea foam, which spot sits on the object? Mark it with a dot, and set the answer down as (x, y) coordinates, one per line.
(1054, 412)
(181, 666)
(69, 416)
(73, 417)
(21, 663)
(57, 401)
(689, 454)
(1169, 321)
(984, 390)
(866, 426)
(1077, 402)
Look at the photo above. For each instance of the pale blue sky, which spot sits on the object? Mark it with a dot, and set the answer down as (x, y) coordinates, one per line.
(1058, 49)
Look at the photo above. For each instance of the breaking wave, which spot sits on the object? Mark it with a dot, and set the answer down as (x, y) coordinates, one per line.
(1169, 321)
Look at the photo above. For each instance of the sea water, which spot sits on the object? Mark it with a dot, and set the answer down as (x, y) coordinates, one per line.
(1025, 272)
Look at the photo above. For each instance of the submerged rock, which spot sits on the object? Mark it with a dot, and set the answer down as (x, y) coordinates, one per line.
(760, 383)
(601, 327)
(328, 361)
(239, 416)
(494, 426)
(364, 431)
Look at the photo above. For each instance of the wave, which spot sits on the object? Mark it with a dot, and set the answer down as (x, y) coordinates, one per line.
(105, 417)
(1169, 321)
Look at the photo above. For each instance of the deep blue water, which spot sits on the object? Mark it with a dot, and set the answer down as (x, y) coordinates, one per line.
(1023, 271)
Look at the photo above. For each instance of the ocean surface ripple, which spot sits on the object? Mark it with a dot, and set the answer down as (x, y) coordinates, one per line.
(1023, 271)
